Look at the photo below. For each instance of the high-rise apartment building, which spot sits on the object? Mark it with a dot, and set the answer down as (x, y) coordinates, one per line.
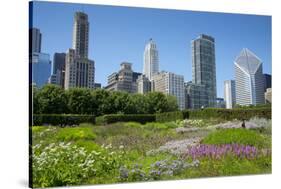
(249, 79)
(204, 66)
(79, 70)
(229, 93)
(170, 84)
(150, 60)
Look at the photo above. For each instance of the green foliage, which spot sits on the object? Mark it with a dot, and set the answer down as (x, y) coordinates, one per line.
(228, 167)
(236, 136)
(50, 99)
(113, 118)
(169, 116)
(80, 101)
(62, 119)
(75, 133)
(158, 102)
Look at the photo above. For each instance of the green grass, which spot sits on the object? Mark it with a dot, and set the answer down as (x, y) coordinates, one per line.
(239, 136)
(75, 133)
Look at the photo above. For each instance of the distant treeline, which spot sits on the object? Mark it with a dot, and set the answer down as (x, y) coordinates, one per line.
(52, 99)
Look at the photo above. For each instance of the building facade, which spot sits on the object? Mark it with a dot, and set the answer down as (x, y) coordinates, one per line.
(249, 79)
(79, 70)
(35, 39)
(204, 65)
(41, 68)
(143, 84)
(267, 81)
(58, 69)
(195, 96)
(170, 84)
(40, 63)
(80, 39)
(229, 94)
(220, 103)
(268, 96)
(124, 80)
(150, 60)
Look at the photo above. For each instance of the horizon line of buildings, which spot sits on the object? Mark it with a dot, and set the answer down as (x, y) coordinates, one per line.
(75, 69)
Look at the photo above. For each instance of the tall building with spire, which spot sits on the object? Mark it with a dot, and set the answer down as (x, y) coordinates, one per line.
(204, 66)
(249, 79)
(79, 70)
(150, 60)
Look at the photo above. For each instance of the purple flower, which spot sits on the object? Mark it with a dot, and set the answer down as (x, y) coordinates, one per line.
(221, 151)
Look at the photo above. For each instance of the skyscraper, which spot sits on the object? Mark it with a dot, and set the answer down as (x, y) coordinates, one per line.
(249, 79)
(150, 60)
(81, 34)
(170, 84)
(35, 38)
(40, 63)
(58, 69)
(41, 68)
(229, 93)
(204, 66)
(79, 70)
(267, 81)
(195, 95)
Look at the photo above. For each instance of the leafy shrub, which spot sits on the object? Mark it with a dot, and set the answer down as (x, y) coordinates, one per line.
(236, 136)
(75, 133)
(62, 119)
(113, 118)
(169, 116)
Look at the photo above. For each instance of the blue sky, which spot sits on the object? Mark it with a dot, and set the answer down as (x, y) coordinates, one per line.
(120, 33)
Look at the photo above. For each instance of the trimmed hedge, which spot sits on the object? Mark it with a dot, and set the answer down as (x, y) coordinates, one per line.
(113, 118)
(62, 119)
(229, 114)
(169, 116)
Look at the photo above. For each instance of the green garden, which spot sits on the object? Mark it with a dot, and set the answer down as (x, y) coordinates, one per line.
(99, 144)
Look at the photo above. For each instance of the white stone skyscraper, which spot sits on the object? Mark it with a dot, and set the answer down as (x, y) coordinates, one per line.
(249, 79)
(79, 70)
(150, 60)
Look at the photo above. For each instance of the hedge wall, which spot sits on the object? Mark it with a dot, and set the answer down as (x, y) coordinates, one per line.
(169, 116)
(62, 119)
(229, 114)
(113, 118)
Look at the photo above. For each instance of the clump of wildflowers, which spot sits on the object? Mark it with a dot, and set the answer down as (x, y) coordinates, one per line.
(221, 151)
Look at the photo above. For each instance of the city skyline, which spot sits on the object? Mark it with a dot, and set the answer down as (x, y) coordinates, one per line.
(174, 50)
